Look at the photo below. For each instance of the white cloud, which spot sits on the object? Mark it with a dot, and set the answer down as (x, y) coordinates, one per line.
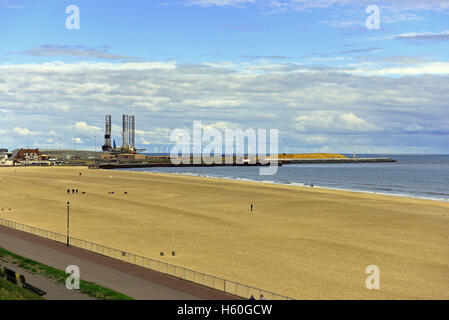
(84, 52)
(219, 3)
(316, 139)
(420, 36)
(273, 6)
(143, 140)
(154, 136)
(396, 17)
(434, 68)
(357, 102)
(414, 127)
(83, 128)
(326, 121)
(220, 125)
(24, 131)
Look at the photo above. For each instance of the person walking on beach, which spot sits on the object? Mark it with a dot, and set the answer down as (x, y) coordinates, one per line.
(252, 207)
(68, 191)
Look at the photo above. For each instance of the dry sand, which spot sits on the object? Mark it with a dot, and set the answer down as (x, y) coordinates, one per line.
(301, 242)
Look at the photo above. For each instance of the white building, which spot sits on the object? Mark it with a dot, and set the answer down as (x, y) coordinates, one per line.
(6, 158)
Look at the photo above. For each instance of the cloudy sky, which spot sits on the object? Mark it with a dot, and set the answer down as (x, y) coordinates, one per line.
(311, 69)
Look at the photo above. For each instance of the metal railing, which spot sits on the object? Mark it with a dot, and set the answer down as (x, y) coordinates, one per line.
(228, 286)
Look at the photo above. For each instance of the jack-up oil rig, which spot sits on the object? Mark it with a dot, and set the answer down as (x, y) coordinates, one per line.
(128, 136)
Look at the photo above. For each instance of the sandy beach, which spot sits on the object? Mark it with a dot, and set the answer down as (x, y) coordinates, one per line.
(306, 243)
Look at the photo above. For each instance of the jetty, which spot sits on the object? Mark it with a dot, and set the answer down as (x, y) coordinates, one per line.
(125, 165)
(337, 160)
(169, 164)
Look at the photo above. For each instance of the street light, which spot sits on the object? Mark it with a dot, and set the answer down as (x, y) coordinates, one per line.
(68, 216)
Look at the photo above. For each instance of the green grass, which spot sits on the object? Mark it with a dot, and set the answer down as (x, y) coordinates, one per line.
(9, 291)
(89, 288)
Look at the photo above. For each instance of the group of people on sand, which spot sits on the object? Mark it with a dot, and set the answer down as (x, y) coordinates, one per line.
(261, 297)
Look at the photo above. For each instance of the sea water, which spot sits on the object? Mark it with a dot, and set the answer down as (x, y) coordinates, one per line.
(420, 176)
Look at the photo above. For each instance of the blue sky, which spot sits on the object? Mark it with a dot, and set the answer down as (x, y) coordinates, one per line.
(311, 69)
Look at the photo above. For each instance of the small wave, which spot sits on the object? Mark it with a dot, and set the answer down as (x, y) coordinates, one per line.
(372, 189)
(298, 184)
(438, 193)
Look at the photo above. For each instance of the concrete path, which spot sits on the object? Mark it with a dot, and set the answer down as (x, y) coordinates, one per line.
(132, 280)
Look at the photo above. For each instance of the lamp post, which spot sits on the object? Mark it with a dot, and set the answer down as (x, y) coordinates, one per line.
(68, 220)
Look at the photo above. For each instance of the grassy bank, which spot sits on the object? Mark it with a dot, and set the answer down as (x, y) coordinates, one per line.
(89, 288)
(310, 156)
(9, 291)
